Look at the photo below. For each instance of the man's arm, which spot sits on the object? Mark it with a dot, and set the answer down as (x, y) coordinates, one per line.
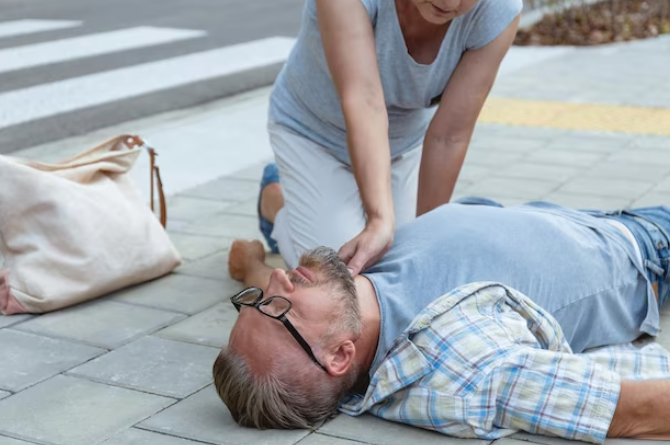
(448, 135)
(643, 410)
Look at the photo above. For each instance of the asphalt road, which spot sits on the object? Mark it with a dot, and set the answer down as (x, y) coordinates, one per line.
(226, 22)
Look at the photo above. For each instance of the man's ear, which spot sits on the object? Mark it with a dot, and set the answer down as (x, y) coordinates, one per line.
(339, 361)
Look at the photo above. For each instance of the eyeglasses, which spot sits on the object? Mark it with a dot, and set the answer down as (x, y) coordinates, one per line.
(274, 307)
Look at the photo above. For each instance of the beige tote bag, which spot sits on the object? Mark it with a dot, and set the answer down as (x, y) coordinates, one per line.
(76, 230)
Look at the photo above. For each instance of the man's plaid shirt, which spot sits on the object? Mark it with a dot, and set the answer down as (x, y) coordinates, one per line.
(484, 361)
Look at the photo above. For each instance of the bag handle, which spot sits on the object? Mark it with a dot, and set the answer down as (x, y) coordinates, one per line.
(154, 175)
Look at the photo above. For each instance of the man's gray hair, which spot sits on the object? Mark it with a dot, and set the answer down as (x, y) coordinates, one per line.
(295, 393)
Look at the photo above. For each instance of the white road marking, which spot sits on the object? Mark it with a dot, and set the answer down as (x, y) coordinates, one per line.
(30, 56)
(22, 27)
(41, 101)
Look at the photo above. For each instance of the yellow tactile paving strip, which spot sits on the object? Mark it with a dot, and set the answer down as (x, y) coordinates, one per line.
(575, 116)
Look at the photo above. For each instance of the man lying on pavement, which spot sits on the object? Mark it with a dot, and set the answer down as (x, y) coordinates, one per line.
(411, 341)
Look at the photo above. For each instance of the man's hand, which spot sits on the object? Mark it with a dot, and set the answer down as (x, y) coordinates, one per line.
(368, 247)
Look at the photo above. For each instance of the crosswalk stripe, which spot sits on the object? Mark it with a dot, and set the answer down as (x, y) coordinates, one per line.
(28, 26)
(41, 101)
(30, 56)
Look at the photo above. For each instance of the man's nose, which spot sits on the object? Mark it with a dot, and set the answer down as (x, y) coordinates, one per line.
(280, 282)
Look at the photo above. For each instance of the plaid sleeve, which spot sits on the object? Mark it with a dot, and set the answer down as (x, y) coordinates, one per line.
(554, 394)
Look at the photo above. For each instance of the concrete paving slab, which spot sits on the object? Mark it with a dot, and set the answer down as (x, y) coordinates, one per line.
(214, 267)
(589, 202)
(174, 292)
(613, 188)
(652, 199)
(204, 417)
(226, 225)
(377, 431)
(9, 441)
(527, 170)
(210, 328)
(644, 156)
(321, 439)
(524, 438)
(9, 320)
(253, 172)
(69, 411)
(247, 208)
(27, 359)
(569, 158)
(4, 394)
(153, 365)
(225, 189)
(194, 247)
(625, 170)
(189, 209)
(105, 324)
(472, 172)
(136, 436)
(528, 189)
(491, 159)
(508, 144)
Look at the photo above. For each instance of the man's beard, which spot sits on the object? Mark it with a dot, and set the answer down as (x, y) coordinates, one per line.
(332, 271)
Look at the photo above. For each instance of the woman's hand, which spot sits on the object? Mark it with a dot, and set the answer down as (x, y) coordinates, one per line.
(369, 246)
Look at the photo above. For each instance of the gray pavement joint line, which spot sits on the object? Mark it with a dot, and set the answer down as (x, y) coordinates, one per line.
(76, 375)
(172, 311)
(161, 433)
(23, 438)
(125, 342)
(187, 193)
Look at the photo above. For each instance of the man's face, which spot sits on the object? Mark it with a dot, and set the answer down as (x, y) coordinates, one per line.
(439, 12)
(314, 308)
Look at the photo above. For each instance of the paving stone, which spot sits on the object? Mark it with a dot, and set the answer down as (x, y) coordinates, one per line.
(4, 394)
(491, 158)
(226, 225)
(662, 186)
(587, 202)
(10, 320)
(194, 247)
(320, 439)
(175, 292)
(374, 430)
(9, 441)
(214, 267)
(570, 158)
(69, 411)
(187, 208)
(225, 189)
(135, 436)
(154, 365)
(527, 170)
(626, 170)
(204, 417)
(210, 328)
(247, 208)
(508, 144)
(105, 324)
(607, 187)
(652, 199)
(472, 172)
(253, 172)
(643, 156)
(524, 438)
(27, 359)
(527, 189)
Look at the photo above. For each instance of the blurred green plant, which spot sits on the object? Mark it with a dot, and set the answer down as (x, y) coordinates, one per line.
(592, 22)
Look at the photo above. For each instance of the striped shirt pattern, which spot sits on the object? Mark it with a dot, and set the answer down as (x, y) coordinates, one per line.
(484, 361)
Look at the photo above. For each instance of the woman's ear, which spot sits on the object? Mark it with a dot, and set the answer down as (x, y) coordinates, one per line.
(339, 361)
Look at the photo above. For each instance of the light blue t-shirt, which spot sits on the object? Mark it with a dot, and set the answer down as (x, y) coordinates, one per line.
(578, 267)
(305, 101)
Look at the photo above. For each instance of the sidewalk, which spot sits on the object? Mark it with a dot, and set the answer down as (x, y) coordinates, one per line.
(135, 367)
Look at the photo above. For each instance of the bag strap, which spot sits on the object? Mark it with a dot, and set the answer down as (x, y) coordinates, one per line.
(154, 176)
